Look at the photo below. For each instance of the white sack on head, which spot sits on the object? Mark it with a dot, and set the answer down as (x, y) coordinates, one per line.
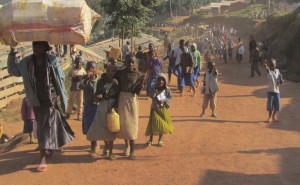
(55, 21)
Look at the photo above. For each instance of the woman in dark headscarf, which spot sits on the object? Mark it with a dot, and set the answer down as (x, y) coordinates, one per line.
(44, 81)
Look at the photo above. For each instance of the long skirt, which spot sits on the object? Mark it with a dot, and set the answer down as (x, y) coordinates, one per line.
(98, 129)
(160, 122)
(184, 78)
(89, 113)
(52, 129)
(128, 110)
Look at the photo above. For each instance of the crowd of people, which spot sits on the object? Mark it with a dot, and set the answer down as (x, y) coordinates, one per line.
(117, 90)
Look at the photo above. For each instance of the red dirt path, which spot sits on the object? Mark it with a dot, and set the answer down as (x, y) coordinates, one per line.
(237, 148)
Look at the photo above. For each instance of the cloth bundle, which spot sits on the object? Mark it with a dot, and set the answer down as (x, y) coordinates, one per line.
(55, 21)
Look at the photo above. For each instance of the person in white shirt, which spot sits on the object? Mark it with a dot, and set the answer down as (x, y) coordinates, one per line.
(178, 51)
(76, 94)
(210, 89)
(275, 79)
(126, 49)
(240, 51)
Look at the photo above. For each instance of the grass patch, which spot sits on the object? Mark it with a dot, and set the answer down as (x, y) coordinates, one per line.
(281, 13)
(247, 12)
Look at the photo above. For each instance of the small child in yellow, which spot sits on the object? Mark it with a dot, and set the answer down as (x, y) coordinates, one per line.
(160, 121)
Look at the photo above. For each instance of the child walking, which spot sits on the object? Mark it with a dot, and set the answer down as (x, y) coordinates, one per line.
(210, 89)
(89, 84)
(29, 121)
(154, 67)
(172, 59)
(160, 121)
(76, 94)
(275, 79)
(107, 93)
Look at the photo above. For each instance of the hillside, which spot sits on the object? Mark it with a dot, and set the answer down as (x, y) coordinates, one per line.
(242, 18)
(283, 33)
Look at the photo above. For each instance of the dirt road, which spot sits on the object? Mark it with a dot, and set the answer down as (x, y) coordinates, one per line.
(237, 148)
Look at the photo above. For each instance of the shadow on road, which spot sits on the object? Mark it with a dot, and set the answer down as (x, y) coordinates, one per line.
(288, 175)
(216, 177)
(15, 161)
(217, 121)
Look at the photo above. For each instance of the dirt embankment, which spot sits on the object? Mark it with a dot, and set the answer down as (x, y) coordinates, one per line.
(283, 34)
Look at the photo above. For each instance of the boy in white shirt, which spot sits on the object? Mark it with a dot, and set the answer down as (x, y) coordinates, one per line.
(240, 51)
(76, 94)
(275, 79)
(210, 89)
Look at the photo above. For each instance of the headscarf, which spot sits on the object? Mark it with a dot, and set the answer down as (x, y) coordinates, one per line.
(196, 56)
(162, 75)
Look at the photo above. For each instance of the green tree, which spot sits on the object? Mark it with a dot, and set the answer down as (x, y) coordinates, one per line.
(128, 17)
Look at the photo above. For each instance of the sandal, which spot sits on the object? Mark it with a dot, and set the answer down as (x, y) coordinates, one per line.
(160, 143)
(148, 143)
(42, 168)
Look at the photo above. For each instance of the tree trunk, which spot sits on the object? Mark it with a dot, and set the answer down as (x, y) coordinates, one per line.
(122, 43)
(268, 5)
(131, 39)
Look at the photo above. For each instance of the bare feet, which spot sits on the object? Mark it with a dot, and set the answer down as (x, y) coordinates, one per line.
(274, 118)
(213, 115)
(269, 120)
(126, 152)
(202, 115)
(132, 156)
(94, 154)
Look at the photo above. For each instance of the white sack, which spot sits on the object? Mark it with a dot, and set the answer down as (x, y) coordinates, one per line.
(55, 21)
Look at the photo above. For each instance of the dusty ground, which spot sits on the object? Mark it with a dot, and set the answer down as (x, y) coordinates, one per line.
(237, 148)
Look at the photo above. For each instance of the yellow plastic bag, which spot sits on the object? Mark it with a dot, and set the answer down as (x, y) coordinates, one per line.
(113, 121)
